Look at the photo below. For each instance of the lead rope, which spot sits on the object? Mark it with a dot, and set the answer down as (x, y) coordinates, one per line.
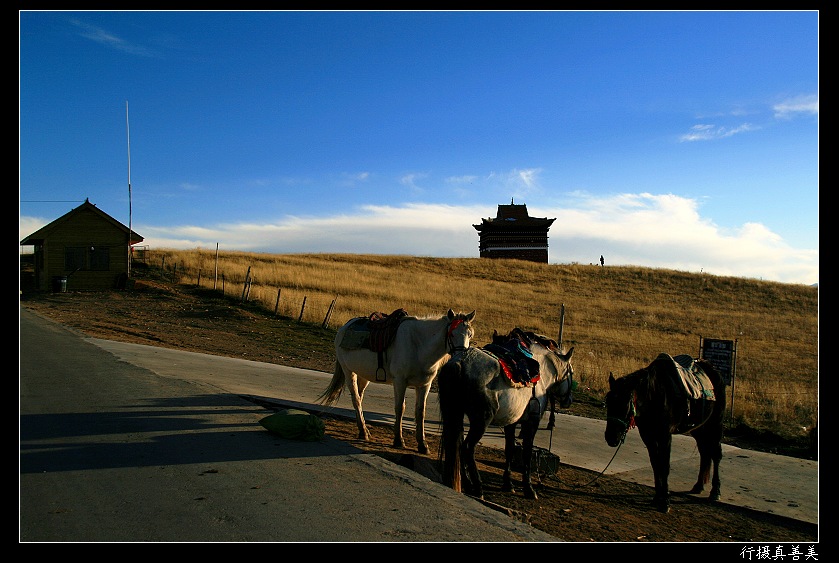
(550, 443)
(630, 425)
(596, 477)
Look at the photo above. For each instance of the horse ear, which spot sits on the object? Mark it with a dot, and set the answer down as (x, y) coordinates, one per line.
(611, 379)
(450, 314)
(470, 317)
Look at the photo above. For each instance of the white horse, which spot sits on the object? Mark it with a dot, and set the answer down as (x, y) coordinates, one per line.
(420, 346)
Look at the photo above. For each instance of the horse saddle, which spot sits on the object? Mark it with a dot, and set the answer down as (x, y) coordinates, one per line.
(694, 382)
(375, 332)
(693, 386)
(516, 360)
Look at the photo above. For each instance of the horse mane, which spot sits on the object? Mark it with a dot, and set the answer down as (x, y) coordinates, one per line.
(532, 337)
(632, 381)
(433, 317)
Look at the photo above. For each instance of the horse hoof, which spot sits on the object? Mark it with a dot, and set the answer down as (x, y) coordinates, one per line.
(662, 506)
(422, 448)
(531, 495)
(398, 444)
(696, 489)
(715, 496)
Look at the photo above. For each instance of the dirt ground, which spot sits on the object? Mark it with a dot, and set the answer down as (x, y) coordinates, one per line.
(574, 504)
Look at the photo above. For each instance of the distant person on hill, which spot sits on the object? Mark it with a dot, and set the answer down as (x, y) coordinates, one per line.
(601, 260)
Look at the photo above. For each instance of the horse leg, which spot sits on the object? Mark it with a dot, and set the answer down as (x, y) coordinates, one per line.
(357, 391)
(399, 409)
(509, 455)
(715, 455)
(716, 485)
(552, 418)
(472, 478)
(659, 447)
(529, 428)
(710, 453)
(422, 397)
(704, 467)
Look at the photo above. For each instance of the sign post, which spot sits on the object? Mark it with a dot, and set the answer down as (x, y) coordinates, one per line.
(722, 354)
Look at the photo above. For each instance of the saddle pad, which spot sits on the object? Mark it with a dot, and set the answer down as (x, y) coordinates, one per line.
(375, 332)
(694, 381)
(357, 335)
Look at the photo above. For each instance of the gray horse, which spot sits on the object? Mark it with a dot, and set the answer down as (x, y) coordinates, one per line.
(475, 384)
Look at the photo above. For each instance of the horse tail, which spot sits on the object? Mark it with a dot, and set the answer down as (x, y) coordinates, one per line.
(336, 387)
(450, 396)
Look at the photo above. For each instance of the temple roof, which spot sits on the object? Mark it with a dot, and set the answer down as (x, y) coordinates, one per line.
(513, 216)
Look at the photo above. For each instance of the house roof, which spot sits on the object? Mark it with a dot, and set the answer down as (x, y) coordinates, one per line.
(41, 234)
(511, 217)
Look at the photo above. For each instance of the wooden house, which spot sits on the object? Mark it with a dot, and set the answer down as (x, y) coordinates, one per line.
(85, 249)
(513, 233)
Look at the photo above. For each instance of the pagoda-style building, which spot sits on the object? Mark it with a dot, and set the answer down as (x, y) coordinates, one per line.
(514, 234)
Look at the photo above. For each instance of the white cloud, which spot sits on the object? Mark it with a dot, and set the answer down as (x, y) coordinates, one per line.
(707, 132)
(653, 230)
(806, 104)
(104, 37)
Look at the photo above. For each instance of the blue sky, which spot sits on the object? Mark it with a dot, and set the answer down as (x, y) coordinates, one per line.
(684, 140)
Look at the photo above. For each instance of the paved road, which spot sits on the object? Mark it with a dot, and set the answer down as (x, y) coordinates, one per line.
(777, 484)
(112, 451)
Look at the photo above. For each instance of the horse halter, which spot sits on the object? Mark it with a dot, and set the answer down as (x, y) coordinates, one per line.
(625, 423)
(565, 386)
(449, 341)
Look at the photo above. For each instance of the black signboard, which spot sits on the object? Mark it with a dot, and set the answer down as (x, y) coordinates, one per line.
(721, 354)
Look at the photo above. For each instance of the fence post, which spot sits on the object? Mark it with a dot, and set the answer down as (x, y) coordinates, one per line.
(215, 278)
(245, 286)
(300, 318)
(561, 325)
(329, 313)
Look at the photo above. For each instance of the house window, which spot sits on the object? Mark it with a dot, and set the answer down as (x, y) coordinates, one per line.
(74, 258)
(100, 258)
(97, 258)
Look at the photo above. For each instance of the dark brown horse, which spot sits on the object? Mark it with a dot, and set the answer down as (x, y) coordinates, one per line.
(656, 400)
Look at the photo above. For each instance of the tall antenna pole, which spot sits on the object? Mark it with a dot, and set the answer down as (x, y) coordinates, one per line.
(128, 134)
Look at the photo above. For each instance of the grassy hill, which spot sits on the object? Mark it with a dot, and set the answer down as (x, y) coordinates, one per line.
(618, 318)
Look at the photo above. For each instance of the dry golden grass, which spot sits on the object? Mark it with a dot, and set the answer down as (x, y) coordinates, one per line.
(617, 318)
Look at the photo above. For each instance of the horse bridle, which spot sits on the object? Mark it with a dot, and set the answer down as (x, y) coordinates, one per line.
(567, 379)
(452, 348)
(629, 422)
